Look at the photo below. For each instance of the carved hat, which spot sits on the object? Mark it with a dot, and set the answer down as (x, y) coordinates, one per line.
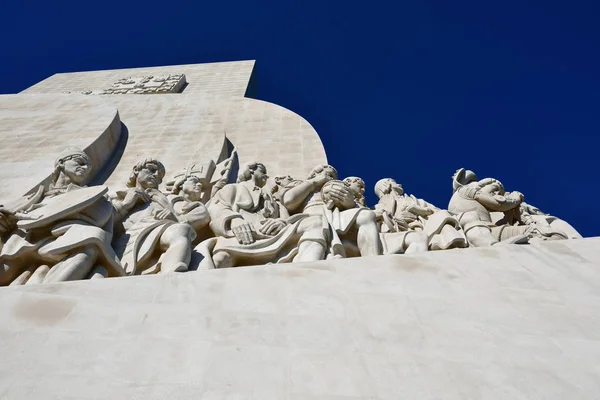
(67, 154)
(72, 152)
(462, 177)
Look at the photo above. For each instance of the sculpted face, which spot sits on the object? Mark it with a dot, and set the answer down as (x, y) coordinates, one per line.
(492, 189)
(396, 187)
(76, 169)
(260, 176)
(149, 177)
(192, 188)
(283, 181)
(357, 185)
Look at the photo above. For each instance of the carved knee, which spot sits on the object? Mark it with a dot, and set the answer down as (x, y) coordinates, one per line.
(480, 237)
(184, 231)
(416, 242)
(177, 234)
(366, 217)
(222, 259)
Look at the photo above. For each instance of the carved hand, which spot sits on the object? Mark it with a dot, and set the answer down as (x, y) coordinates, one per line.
(343, 197)
(135, 195)
(165, 214)
(271, 226)
(532, 230)
(517, 196)
(319, 180)
(242, 231)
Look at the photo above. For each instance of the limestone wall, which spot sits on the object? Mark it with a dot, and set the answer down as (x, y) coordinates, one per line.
(179, 129)
(226, 79)
(35, 129)
(505, 322)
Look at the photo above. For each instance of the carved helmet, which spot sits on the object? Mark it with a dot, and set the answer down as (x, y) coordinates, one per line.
(462, 177)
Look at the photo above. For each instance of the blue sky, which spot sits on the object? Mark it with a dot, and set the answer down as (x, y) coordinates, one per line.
(508, 89)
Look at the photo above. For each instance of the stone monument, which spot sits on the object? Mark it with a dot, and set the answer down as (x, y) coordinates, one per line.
(171, 172)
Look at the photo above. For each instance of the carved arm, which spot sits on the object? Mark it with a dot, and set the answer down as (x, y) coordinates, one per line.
(293, 198)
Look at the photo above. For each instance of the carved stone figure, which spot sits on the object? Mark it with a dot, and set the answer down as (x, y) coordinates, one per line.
(277, 186)
(253, 228)
(472, 202)
(211, 176)
(532, 215)
(353, 230)
(406, 213)
(156, 237)
(357, 185)
(547, 226)
(62, 232)
(186, 197)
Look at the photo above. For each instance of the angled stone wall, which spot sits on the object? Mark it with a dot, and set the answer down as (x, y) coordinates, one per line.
(180, 129)
(224, 79)
(35, 129)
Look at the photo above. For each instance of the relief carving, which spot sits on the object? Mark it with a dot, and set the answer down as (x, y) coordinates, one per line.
(352, 226)
(154, 236)
(62, 232)
(405, 213)
(65, 231)
(478, 203)
(252, 227)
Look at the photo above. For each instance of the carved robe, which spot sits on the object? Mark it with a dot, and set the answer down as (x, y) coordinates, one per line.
(138, 244)
(49, 243)
(336, 222)
(441, 228)
(243, 200)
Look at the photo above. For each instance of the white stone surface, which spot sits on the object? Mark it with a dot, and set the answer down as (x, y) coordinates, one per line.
(35, 129)
(224, 79)
(180, 129)
(504, 322)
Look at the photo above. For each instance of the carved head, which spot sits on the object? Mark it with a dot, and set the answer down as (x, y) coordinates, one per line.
(283, 180)
(74, 165)
(491, 186)
(256, 172)
(325, 169)
(190, 185)
(276, 183)
(463, 177)
(386, 186)
(147, 174)
(356, 184)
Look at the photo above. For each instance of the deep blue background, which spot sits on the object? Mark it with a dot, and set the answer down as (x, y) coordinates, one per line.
(407, 89)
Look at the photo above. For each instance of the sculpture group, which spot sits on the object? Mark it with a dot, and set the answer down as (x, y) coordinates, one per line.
(68, 231)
